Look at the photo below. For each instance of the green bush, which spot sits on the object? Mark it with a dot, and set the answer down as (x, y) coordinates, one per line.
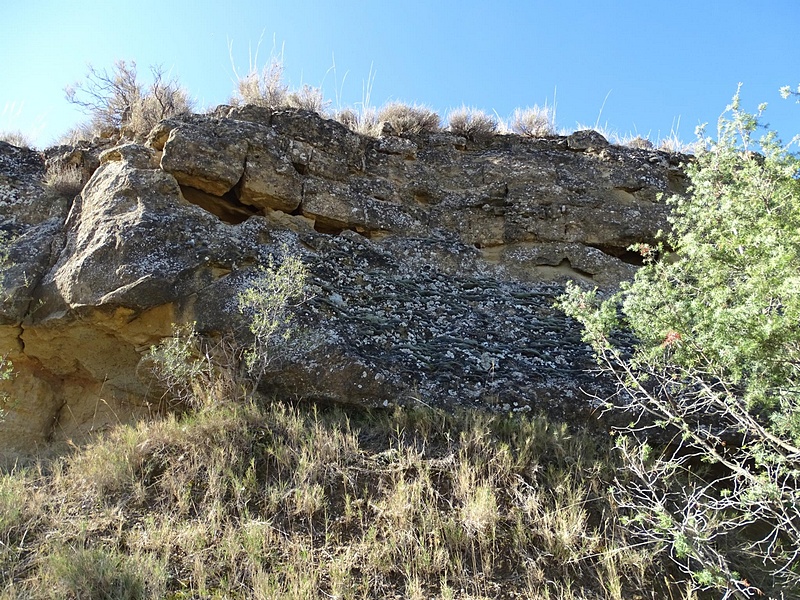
(267, 303)
(716, 365)
(6, 367)
(196, 371)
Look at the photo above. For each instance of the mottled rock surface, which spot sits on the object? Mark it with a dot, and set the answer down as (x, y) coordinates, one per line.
(435, 262)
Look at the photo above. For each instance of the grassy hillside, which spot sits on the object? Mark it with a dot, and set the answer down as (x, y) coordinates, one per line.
(274, 500)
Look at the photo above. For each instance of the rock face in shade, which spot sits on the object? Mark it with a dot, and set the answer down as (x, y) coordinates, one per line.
(435, 262)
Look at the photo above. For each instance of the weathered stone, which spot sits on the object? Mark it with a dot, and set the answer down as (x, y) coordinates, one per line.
(136, 156)
(435, 260)
(206, 154)
(271, 180)
(586, 139)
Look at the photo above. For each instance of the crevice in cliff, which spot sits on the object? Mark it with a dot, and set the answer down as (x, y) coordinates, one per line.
(627, 256)
(227, 208)
(567, 266)
(332, 227)
(56, 425)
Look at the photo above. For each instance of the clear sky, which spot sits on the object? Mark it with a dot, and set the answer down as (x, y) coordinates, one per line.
(643, 66)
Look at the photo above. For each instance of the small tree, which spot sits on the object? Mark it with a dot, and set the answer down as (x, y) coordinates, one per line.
(119, 102)
(716, 365)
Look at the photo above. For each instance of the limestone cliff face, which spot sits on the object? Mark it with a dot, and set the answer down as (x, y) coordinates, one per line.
(435, 261)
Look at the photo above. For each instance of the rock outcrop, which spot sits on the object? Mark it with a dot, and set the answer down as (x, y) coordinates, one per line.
(435, 261)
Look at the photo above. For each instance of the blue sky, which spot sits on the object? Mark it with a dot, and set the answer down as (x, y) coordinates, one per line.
(644, 66)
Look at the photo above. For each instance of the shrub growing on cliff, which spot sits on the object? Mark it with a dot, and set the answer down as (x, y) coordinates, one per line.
(6, 373)
(196, 371)
(267, 303)
(262, 88)
(534, 121)
(717, 366)
(472, 123)
(409, 119)
(308, 98)
(118, 103)
(6, 368)
(64, 179)
(267, 88)
(16, 138)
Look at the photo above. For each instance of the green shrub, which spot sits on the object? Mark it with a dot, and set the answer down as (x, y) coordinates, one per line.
(6, 367)
(6, 374)
(267, 303)
(181, 366)
(716, 365)
(196, 371)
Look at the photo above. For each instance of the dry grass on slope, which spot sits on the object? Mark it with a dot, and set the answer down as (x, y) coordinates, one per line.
(281, 501)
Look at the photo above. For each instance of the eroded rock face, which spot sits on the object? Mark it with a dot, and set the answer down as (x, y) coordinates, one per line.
(435, 262)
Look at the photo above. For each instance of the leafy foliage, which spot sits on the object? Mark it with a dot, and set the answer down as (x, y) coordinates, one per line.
(267, 303)
(716, 365)
(180, 364)
(197, 371)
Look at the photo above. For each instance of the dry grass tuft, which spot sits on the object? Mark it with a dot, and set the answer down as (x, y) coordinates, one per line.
(534, 121)
(64, 179)
(308, 98)
(363, 121)
(16, 138)
(264, 88)
(638, 142)
(472, 123)
(409, 119)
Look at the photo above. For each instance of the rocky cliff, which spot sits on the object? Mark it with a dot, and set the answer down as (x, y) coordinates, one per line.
(435, 261)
